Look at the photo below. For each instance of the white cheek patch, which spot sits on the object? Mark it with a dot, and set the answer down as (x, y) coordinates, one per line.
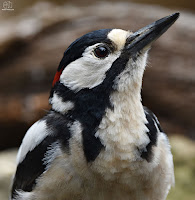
(34, 136)
(87, 71)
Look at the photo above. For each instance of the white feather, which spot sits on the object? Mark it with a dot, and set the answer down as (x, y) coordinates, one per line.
(59, 105)
(87, 71)
(34, 136)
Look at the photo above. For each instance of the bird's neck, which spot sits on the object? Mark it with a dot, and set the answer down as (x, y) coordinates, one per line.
(123, 128)
(126, 102)
(127, 107)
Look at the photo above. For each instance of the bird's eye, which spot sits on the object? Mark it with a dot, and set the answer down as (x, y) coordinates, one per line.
(101, 52)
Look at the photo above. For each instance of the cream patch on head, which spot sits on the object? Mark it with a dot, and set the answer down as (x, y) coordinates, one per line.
(118, 37)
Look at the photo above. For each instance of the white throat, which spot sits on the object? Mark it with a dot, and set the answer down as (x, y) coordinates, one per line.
(122, 131)
(126, 122)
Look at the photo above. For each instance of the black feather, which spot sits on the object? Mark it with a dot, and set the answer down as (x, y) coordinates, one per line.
(152, 134)
(75, 50)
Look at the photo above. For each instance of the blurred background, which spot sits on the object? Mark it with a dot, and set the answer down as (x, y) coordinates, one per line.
(33, 36)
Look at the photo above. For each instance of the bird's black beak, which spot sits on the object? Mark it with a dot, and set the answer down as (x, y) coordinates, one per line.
(145, 36)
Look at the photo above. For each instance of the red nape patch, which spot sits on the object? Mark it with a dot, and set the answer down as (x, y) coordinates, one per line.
(57, 77)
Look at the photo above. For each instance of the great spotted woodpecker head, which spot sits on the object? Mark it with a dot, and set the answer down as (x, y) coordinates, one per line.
(102, 62)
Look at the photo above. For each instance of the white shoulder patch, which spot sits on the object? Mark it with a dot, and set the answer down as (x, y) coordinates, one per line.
(34, 136)
(60, 106)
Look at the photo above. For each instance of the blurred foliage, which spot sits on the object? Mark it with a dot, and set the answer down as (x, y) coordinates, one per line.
(184, 160)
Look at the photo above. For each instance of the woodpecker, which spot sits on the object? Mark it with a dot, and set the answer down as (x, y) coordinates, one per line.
(98, 142)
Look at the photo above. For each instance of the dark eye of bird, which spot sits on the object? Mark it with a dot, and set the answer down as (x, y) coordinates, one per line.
(101, 52)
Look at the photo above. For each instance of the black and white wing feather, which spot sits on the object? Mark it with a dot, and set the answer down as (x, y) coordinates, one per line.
(35, 146)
